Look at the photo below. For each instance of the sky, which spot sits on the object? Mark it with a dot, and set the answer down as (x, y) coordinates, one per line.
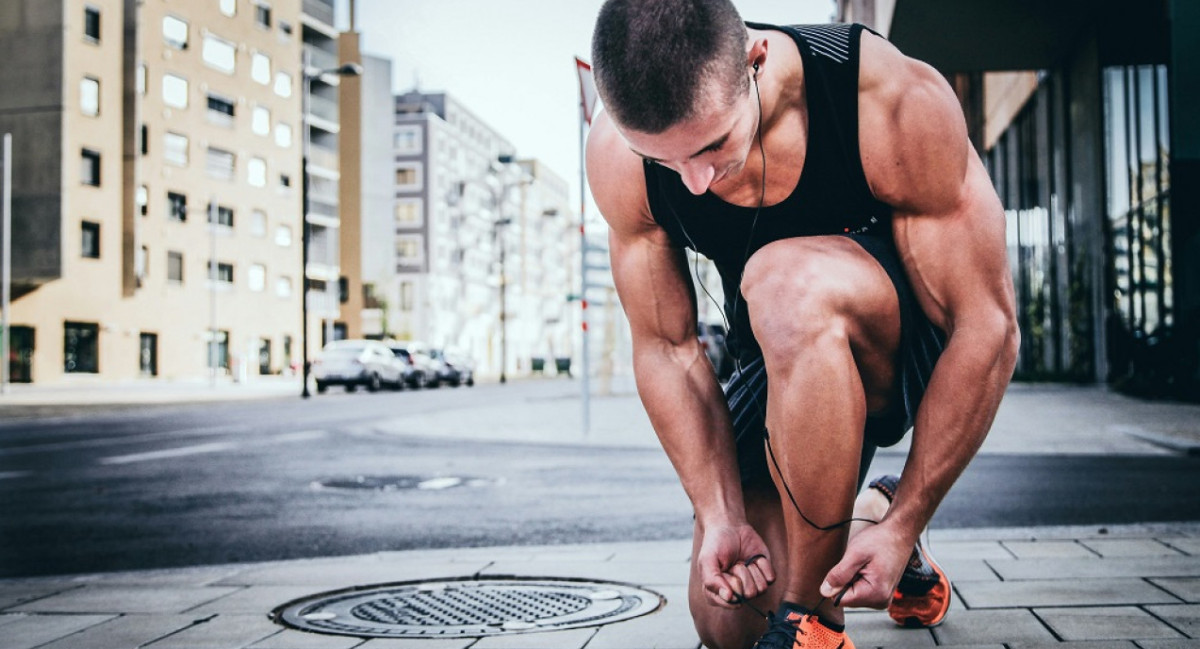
(513, 63)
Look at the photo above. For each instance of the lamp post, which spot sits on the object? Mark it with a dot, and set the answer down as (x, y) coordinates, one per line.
(344, 70)
(496, 231)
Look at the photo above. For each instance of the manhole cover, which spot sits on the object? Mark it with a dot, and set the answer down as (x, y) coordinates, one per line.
(403, 482)
(467, 608)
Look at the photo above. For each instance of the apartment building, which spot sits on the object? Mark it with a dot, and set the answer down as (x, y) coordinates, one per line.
(475, 228)
(157, 184)
(1084, 115)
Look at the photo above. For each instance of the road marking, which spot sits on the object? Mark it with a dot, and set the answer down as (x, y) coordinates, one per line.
(182, 451)
(212, 447)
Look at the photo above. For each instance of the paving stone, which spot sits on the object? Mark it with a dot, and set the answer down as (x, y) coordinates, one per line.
(968, 570)
(644, 573)
(1185, 588)
(670, 627)
(569, 639)
(1060, 592)
(255, 599)
(950, 550)
(1130, 548)
(1049, 549)
(1091, 644)
(193, 576)
(221, 632)
(1190, 643)
(16, 593)
(1185, 617)
(981, 627)
(876, 629)
(10, 618)
(125, 599)
(125, 632)
(416, 643)
(289, 639)
(36, 630)
(335, 575)
(1190, 545)
(1096, 568)
(1104, 623)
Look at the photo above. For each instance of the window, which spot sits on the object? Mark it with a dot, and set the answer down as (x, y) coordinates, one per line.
(220, 163)
(258, 223)
(220, 110)
(89, 172)
(220, 215)
(175, 149)
(408, 212)
(283, 135)
(174, 267)
(283, 287)
(260, 120)
(260, 68)
(406, 296)
(175, 91)
(91, 240)
(175, 32)
(262, 14)
(256, 277)
(176, 206)
(143, 200)
(218, 349)
(408, 250)
(221, 272)
(140, 80)
(91, 24)
(89, 96)
(407, 140)
(408, 176)
(144, 139)
(285, 181)
(220, 53)
(285, 29)
(148, 354)
(229, 7)
(256, 172)
(80, 348)
(283, 84)
(283, 236)
(141, 264)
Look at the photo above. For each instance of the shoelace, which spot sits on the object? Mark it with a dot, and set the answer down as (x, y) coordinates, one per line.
(781, 629)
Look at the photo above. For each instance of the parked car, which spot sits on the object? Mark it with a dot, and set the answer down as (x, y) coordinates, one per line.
(351, 363)
(712, 338)
(418, 366)
(452, 369)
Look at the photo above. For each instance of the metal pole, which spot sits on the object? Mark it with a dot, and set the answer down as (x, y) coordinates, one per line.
(503, 304)
(6, 281)
(304, 234)
(212, 291)
(583, 283)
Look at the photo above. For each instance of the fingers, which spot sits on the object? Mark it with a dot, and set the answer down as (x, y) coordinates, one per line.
(742, 581)
(840, 575)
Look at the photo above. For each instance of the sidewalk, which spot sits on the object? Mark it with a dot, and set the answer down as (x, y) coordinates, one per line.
(1076, 587)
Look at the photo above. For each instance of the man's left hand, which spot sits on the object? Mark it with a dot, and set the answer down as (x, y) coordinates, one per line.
(869, 570)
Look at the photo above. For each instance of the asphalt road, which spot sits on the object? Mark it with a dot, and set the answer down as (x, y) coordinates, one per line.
(167, 486)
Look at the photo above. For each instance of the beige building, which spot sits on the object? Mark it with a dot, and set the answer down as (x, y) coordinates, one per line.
(157, 184)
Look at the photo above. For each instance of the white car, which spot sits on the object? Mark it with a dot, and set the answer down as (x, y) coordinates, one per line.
(352, 363)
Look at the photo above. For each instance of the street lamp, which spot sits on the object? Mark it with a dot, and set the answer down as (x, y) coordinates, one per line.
(496, 226)
(344, 70)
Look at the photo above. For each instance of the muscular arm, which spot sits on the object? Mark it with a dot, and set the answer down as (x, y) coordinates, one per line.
(950, 232)
(675, 381)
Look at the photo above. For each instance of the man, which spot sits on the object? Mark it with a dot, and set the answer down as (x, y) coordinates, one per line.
(862, 252)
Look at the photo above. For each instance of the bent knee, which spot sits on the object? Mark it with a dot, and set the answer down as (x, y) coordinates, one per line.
(726, 630)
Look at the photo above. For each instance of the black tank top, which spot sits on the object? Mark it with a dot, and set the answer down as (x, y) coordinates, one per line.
(831, 197)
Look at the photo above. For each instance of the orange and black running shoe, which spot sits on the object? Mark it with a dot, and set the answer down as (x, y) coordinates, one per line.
(922, 597)
(793, 627)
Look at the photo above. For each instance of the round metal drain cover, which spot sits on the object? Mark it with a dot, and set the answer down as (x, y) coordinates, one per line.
(467, 608)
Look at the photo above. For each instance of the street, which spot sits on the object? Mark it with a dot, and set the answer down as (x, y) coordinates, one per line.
(169, 486)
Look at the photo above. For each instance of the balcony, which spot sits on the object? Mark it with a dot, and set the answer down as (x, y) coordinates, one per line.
(319, 59)
(322, 10)
(323, 108)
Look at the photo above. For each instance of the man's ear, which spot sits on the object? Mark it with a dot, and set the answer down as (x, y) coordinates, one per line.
(756, 55)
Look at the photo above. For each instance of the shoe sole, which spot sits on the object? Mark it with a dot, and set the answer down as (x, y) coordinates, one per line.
(913, 622)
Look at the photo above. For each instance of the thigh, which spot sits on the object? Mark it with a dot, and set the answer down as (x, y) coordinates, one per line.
(796, 286)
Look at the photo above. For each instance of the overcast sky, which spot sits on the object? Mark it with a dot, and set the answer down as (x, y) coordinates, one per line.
(512, 63)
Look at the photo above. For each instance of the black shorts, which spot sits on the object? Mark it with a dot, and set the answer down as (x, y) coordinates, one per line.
(921, 344)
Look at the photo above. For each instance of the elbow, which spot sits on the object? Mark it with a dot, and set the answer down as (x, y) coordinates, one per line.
(1009, 336)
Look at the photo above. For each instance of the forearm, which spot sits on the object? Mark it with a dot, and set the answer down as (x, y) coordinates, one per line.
(688, 411)
(955, 416)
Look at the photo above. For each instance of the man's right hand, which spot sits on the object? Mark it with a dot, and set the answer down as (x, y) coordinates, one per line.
(734, 563)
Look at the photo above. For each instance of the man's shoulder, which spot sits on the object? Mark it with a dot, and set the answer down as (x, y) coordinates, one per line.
(616, 175)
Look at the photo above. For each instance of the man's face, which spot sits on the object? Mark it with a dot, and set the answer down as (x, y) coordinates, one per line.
(709, 150)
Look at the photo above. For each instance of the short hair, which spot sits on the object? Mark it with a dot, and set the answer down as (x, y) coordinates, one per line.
(653, 58)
